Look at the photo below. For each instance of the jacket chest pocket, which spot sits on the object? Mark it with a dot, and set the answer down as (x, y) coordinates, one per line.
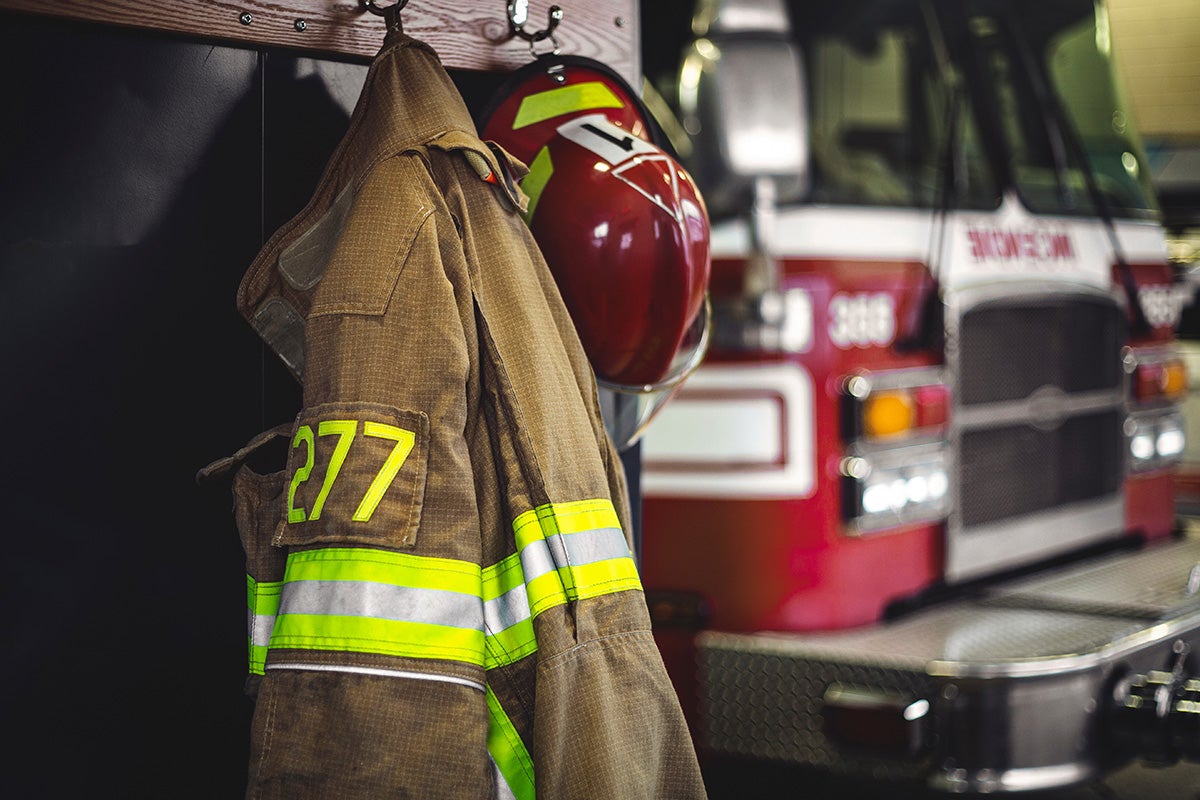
(353, 257)
(355, 475)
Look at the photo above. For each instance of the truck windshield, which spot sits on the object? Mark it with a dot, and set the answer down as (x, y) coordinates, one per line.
(934, 104)
(888, 119)
(1059, 106)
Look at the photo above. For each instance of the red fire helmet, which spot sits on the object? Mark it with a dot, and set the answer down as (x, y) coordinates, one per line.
(620, 223)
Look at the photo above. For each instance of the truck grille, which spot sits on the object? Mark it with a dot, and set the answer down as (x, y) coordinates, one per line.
(1020, 469)
(1011, 351)
(1019, 452)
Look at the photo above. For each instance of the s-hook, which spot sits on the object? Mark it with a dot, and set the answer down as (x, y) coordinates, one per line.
(390, 14)
(518, 15)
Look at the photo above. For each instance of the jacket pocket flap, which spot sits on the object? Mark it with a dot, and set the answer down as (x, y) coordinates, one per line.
(373, 242)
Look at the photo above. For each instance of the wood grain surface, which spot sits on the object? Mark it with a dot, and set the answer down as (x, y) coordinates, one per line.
(468, 34)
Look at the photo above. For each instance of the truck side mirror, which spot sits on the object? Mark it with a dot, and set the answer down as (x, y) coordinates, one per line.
(742, 98)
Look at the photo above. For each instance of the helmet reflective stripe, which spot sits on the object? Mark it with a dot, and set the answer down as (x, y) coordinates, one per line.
(375, 601)
(546, 105)
(262, 601)
(535, 181)
(514, 767)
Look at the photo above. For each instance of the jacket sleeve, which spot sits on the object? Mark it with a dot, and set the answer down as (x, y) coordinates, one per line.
(373, 681)
(586, 705)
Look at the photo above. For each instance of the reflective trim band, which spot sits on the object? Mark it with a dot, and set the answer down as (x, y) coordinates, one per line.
(374, 601)
(506, 618)
(534, 183)
(555, 102)
(383, 566)
(381, 601)
(571, 551)
(262, 604)
(385, 673)
(514, 767)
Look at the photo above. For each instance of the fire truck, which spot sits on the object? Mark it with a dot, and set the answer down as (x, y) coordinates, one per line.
(913, 517)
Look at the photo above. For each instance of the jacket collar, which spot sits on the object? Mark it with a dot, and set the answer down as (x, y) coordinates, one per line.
(408, 100)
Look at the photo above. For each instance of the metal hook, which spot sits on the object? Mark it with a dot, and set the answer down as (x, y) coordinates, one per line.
(518, 15)
(390, 14)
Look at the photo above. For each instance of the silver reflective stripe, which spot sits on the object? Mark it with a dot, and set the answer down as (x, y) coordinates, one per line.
(382, 601)
(501, 613)
(536, 560)
(503, 790)
(387, 673)
(260, 626)
(572, 549)
(588, 547)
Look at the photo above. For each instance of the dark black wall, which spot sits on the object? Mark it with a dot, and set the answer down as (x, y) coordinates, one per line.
(139, 175)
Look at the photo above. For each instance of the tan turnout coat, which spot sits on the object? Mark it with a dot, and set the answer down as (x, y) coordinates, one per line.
(443, 601)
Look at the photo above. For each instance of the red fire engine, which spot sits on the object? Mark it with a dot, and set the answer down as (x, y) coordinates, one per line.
(913, 517)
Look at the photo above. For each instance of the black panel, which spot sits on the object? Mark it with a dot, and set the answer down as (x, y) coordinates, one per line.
(130, 178)
(306, 110)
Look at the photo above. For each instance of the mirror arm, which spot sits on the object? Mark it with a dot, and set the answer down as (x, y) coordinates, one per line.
(763, 276)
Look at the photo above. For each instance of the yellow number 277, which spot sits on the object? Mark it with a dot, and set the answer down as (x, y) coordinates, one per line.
(345, 430)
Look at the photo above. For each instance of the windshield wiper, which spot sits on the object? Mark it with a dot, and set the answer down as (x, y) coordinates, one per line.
(1063, 137)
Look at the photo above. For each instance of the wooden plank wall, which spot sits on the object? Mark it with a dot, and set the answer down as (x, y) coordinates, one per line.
(468, 34)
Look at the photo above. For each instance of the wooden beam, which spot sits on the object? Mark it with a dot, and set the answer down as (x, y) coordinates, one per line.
(468, 34)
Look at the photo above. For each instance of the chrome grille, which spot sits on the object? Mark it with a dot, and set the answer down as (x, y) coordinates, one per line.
(1009, 351)
(1037, 425)
(1020, 469)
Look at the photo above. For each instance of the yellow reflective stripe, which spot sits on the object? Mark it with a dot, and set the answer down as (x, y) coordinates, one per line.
(577, 517)
(507, 620)
(513, 763)
(552, 103)
(262, 604)
(534, 183)
(571, 551)
(382, 602)
(603, 577)
(546, 592)
(502, 577)
(509, 645)
(380, 636)
(383, 566)
(582, 515)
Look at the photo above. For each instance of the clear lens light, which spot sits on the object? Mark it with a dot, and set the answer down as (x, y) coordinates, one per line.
(904, 491)
(1170, 442)
(876, 498)
(918, 489)
(1142, 446)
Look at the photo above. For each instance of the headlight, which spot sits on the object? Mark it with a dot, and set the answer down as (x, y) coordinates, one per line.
(894, 426)
(895, 486)
(1156, 440)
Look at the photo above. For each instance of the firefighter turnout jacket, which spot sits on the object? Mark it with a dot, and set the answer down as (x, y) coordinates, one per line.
(443, 602)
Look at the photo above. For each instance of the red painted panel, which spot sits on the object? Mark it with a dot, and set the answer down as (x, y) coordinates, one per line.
(1150, 504)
